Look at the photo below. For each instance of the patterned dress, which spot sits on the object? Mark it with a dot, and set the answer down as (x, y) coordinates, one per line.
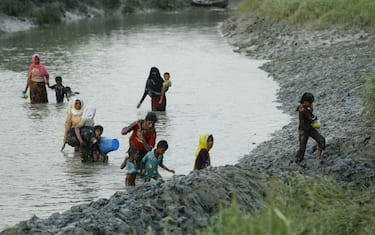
(37, 79)
(151, 163)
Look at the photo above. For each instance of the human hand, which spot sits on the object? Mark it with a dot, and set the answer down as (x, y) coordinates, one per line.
(62, 147)
(160, 101)
(140, 135)
(171, 170)
(124, 131)
(139, 105)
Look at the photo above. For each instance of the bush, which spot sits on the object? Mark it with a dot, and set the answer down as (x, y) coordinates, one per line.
(111, 4)
(71, 4)
(49, 14)
(302, 206)
(15, 7)
(369, 96)
(131, 6)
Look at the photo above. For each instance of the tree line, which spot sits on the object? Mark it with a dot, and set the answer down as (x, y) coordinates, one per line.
(52, 11)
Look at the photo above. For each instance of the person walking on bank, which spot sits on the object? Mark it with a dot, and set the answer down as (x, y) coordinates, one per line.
(143, 135)
(202, 155)
(306, 127)
(37, 78)
(153, 88)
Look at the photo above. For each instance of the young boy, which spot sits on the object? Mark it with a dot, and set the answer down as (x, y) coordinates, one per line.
(97, 155)
(69, 93)
(166, 84)
(130, 166)
(152, 160)
(60, 90)
(305, 130)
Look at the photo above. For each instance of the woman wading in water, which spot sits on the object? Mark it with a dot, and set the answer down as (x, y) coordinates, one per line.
(37, 78)
(153, 88)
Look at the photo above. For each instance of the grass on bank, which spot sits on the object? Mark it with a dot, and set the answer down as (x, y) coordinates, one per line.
(315, 12)
(369, 96)
(302, 206)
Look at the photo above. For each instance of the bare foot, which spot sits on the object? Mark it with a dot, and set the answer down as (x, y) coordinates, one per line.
(318, 153)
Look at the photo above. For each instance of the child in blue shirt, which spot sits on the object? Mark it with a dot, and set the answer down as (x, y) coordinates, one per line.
(152, 160)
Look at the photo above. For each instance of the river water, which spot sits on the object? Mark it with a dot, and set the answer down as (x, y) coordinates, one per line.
(108, 60)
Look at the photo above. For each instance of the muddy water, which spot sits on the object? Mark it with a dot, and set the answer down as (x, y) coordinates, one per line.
(107, 61)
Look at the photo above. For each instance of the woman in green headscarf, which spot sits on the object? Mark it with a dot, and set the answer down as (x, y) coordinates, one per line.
(202, 156)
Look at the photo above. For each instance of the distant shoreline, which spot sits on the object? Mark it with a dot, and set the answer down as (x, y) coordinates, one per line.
(12, 24)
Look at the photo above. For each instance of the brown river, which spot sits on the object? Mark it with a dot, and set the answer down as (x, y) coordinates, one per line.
(107, 61)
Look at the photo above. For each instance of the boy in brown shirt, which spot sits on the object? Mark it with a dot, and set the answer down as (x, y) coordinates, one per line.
(305, 130)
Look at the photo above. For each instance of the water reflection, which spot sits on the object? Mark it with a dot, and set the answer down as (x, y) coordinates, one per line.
(163, 124)
(37, 111)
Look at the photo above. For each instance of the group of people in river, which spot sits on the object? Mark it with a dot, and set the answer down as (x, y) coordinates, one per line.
(144, 156)
(38, 78)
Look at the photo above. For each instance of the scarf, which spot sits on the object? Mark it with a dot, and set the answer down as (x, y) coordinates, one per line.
(202, 143)
(38, 69)
(88, 116)
(73, 109)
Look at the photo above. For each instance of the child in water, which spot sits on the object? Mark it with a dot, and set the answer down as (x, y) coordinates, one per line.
(305, 128)
(70, 93)
(130, 166)
(152, 160)
(97, 155)
(59, 90)
(166, 84)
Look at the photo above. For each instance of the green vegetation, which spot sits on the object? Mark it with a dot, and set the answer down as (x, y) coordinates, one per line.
(369, 96)
(302, 206)
(51, 11)
(134, 5)
(315, 12)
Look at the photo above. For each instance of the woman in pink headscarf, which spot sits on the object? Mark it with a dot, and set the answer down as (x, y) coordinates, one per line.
(37, 78)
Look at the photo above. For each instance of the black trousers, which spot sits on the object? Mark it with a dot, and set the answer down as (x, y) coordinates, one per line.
(304, 137)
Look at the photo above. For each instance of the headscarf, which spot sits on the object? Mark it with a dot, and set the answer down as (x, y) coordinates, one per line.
(89, 112)
(71, 106)
(88, 116)
(40, 67)
(34, 56)
(202, 143)
(154, 82)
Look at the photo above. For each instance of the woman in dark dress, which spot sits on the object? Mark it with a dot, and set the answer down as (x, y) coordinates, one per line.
(153, 88)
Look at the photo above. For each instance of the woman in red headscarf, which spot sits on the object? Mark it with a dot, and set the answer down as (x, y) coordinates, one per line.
(37, 78)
